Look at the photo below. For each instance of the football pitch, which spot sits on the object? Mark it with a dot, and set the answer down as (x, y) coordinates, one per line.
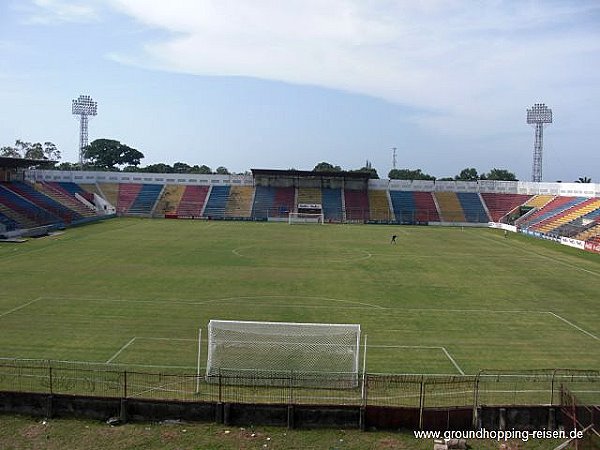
(134, 292)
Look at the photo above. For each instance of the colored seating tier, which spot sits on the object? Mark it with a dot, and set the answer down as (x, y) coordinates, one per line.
(403, 204)
(501, 204)
(473, 209)
(283, 201)
(110, 192)
(72, 189)
(357, 205)
(239, 203)
(170, 199)
(593, 230)
(217, 202)
(554, 207)
(7, 222)
(379, 205)
(309, 196)
(36, 197)
(263, 201)
(91, 189)
(35, 215)
(147, 197)
(192, 201)
(538, 201)
(426, 209)
(332, 204)
(127, 194)
(450, 207)
(579, 226)
(58, 193)
(14, 219)
(568, 215)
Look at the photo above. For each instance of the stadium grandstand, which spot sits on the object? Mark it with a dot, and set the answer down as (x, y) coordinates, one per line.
(38, 200)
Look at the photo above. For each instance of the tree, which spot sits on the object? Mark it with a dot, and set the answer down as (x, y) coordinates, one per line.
(9, 152)
(203, 169)
(368, 169)
(409, 174)
(23, 149)
(468, 174)
(180, 167)
(583, 180)
(499, 175)
(326, 167)
(108, 153)
(222, 170)
(158, 168)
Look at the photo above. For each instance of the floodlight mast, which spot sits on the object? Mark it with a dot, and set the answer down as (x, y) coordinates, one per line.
(538, 115)
(83, 107)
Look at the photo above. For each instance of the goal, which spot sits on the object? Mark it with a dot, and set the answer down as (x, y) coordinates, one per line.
(278, 353)
(295, 218)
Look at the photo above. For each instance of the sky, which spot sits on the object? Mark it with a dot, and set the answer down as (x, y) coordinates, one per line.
(288, 84)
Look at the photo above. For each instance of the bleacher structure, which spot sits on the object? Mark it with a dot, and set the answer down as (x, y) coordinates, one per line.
(556, 211)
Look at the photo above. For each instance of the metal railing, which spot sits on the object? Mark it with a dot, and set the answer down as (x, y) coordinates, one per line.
(422, 391)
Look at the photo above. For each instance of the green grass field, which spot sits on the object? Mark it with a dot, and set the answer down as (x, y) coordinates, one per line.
(443, 300)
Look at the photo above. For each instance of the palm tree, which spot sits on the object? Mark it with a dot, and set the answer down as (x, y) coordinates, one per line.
(583, 180)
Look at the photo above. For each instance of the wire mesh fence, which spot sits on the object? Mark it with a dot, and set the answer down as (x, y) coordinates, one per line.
(417, 391)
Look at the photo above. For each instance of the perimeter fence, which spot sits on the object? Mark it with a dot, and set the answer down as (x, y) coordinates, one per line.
(542, 387)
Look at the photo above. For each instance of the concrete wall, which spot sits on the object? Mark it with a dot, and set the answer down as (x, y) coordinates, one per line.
(293, 416)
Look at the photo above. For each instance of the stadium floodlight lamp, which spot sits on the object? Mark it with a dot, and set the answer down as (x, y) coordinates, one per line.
(538, 115)
(83, 107)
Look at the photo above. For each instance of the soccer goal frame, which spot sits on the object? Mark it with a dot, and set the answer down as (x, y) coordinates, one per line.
(299, 218)
(283, 353)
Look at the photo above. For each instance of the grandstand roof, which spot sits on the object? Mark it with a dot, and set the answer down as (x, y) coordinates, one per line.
(13, 163)
(310, 173)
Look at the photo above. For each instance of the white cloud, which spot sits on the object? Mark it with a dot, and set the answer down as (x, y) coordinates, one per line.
(465, 60)
(54, 12)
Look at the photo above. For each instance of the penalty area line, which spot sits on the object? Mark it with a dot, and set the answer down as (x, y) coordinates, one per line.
(24, 305)
(120, 350)
(426, 347)
(452, 360)
(574, 326)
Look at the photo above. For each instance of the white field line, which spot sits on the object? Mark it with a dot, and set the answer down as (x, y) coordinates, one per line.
(531, 252)
(367, 255)
(120, 350)
(452, 360)
(203, 302)
(574, 326)
(164, 339)
(24, 305)
(443, 349)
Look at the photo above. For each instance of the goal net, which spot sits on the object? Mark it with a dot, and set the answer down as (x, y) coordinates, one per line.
(280, 353)
(295, 218)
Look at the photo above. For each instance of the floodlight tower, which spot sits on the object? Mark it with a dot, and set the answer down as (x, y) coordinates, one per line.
(538, 115)
(83, 107)
(394, 158)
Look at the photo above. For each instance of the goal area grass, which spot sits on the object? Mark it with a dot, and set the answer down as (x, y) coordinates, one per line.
(134, 292)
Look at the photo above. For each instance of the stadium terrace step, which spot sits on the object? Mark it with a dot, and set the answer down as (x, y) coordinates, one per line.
(500, 205)
(554, 207)
(217, 202)
(450, 207)
(472, 207)
(239, 203)
(332, 204)
(357, 205)
(145, 200)
(379, 207)
(192, 201)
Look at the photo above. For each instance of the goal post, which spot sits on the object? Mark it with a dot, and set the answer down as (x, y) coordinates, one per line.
(295, 218)
(280, 353)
